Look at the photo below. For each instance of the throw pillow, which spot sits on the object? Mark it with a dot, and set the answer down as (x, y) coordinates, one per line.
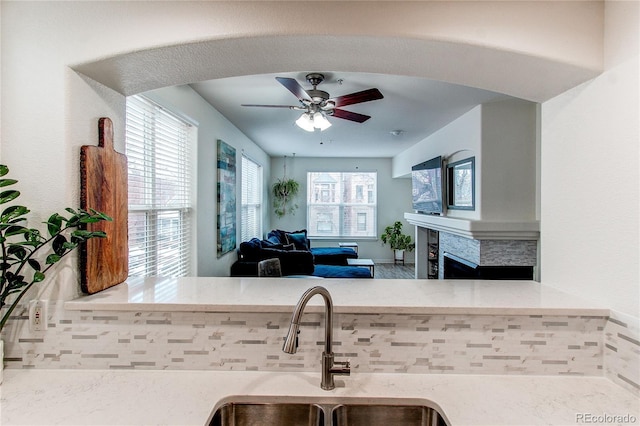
(299, 240)
(273, 239)
(277, 235)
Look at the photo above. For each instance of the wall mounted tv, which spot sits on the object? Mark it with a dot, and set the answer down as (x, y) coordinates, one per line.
(427, 185)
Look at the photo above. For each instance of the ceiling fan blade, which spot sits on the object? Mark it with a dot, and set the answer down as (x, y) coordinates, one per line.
(351, 116)
(295, 88)
(358, 97)
(272, 106)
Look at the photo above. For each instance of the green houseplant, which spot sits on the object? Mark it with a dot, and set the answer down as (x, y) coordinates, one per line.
(28, 254)
(284, 191)
(398, 241)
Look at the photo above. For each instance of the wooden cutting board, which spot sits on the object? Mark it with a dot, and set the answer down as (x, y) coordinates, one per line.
(103, 187)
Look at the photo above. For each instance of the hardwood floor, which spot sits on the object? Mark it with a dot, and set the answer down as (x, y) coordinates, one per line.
(390, 271)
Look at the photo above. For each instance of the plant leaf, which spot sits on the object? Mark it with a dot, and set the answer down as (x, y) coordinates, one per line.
(17, 251)
(3, 170)
(7, 182)
(72, 245)
(29, 243)
(15, 230)
(54, 224)
(101, 215)
(38, 276)
(73, 221)
(89, 219)
(52, 258)
(12, 212)
(6, 196)
(34, 264)
(58, 244)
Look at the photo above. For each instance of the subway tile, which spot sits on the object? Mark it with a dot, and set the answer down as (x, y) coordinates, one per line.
(412, 344)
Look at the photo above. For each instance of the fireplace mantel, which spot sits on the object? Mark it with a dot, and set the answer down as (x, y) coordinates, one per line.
(477, 229)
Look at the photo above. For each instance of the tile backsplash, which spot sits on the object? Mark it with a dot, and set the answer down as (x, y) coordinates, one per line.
(384, 343)
(622, 351)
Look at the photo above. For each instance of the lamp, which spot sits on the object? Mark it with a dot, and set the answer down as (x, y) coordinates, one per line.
(310, 122)
(320, 121)
(305, 122)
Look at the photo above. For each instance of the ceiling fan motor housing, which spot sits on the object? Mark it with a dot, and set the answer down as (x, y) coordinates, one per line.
(318, 96)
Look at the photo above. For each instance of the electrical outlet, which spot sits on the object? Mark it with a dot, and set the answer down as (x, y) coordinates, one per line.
(38, 315)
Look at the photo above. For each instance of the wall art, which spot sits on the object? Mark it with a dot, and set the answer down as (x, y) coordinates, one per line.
(226, 198)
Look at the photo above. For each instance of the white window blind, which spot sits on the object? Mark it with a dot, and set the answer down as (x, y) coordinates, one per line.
(251, 215)
(341, 204)
(160, 207)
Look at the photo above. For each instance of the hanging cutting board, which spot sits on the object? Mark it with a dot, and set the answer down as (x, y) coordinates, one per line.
(103, 187)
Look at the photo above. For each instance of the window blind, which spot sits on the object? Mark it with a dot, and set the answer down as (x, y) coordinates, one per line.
(251, 212)
(160, 206)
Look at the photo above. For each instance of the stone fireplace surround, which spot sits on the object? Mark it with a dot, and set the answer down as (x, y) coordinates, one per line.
(484, 243)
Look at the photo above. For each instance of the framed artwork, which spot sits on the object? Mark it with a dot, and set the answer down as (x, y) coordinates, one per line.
(461, 193)
(226, 221)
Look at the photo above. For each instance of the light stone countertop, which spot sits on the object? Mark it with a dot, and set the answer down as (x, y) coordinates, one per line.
(92, 397)
(106, 397)
(224, 294)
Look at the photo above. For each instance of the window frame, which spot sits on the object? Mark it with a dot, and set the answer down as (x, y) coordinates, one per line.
(328, 196)
(245, 234)
(159, 151)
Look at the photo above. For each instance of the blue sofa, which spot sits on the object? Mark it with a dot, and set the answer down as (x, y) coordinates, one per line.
(296, 257)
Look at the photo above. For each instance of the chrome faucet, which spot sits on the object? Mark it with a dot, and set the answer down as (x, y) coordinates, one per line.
(291, 340)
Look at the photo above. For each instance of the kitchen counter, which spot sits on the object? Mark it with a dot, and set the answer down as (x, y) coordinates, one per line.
(354, 296)
(92, 397)
(180, 397)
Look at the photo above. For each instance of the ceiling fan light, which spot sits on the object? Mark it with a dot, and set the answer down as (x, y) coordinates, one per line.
(320, 121)
(305, 122)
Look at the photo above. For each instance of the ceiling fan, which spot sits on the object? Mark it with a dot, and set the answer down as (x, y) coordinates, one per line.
(317, 104)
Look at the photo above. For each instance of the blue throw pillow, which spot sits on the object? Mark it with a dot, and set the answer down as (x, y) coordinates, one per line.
(277, 236)
(273, 239)
(299, 240)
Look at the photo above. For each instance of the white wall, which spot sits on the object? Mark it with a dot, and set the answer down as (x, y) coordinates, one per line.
(394, 198)
(501, 135)
(211, 127)
(508, 162)
(49, 111)
(590, 179)
(508, 47)
(460, 138)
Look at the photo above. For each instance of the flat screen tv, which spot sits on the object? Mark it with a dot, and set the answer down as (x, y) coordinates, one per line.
(427, 185)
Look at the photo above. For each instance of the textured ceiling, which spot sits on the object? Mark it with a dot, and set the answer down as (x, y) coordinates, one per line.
(416, 106)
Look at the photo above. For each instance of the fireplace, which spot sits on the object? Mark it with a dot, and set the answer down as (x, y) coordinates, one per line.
(493, 250)
(455, 267)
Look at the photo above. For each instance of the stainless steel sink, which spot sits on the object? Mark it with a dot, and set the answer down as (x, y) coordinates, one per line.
(312, 411)
(385, 415)
(255, 414)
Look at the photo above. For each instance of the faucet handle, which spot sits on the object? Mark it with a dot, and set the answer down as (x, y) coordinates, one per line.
(343, 370)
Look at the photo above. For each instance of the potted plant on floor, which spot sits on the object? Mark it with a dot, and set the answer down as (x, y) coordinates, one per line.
(28, 254)
(398, 241)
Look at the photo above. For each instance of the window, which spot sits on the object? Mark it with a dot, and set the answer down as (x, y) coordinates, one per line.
(251, 215)
(341, 204)
(160, 206)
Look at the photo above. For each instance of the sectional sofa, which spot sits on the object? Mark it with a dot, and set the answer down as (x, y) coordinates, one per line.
(297, 257)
